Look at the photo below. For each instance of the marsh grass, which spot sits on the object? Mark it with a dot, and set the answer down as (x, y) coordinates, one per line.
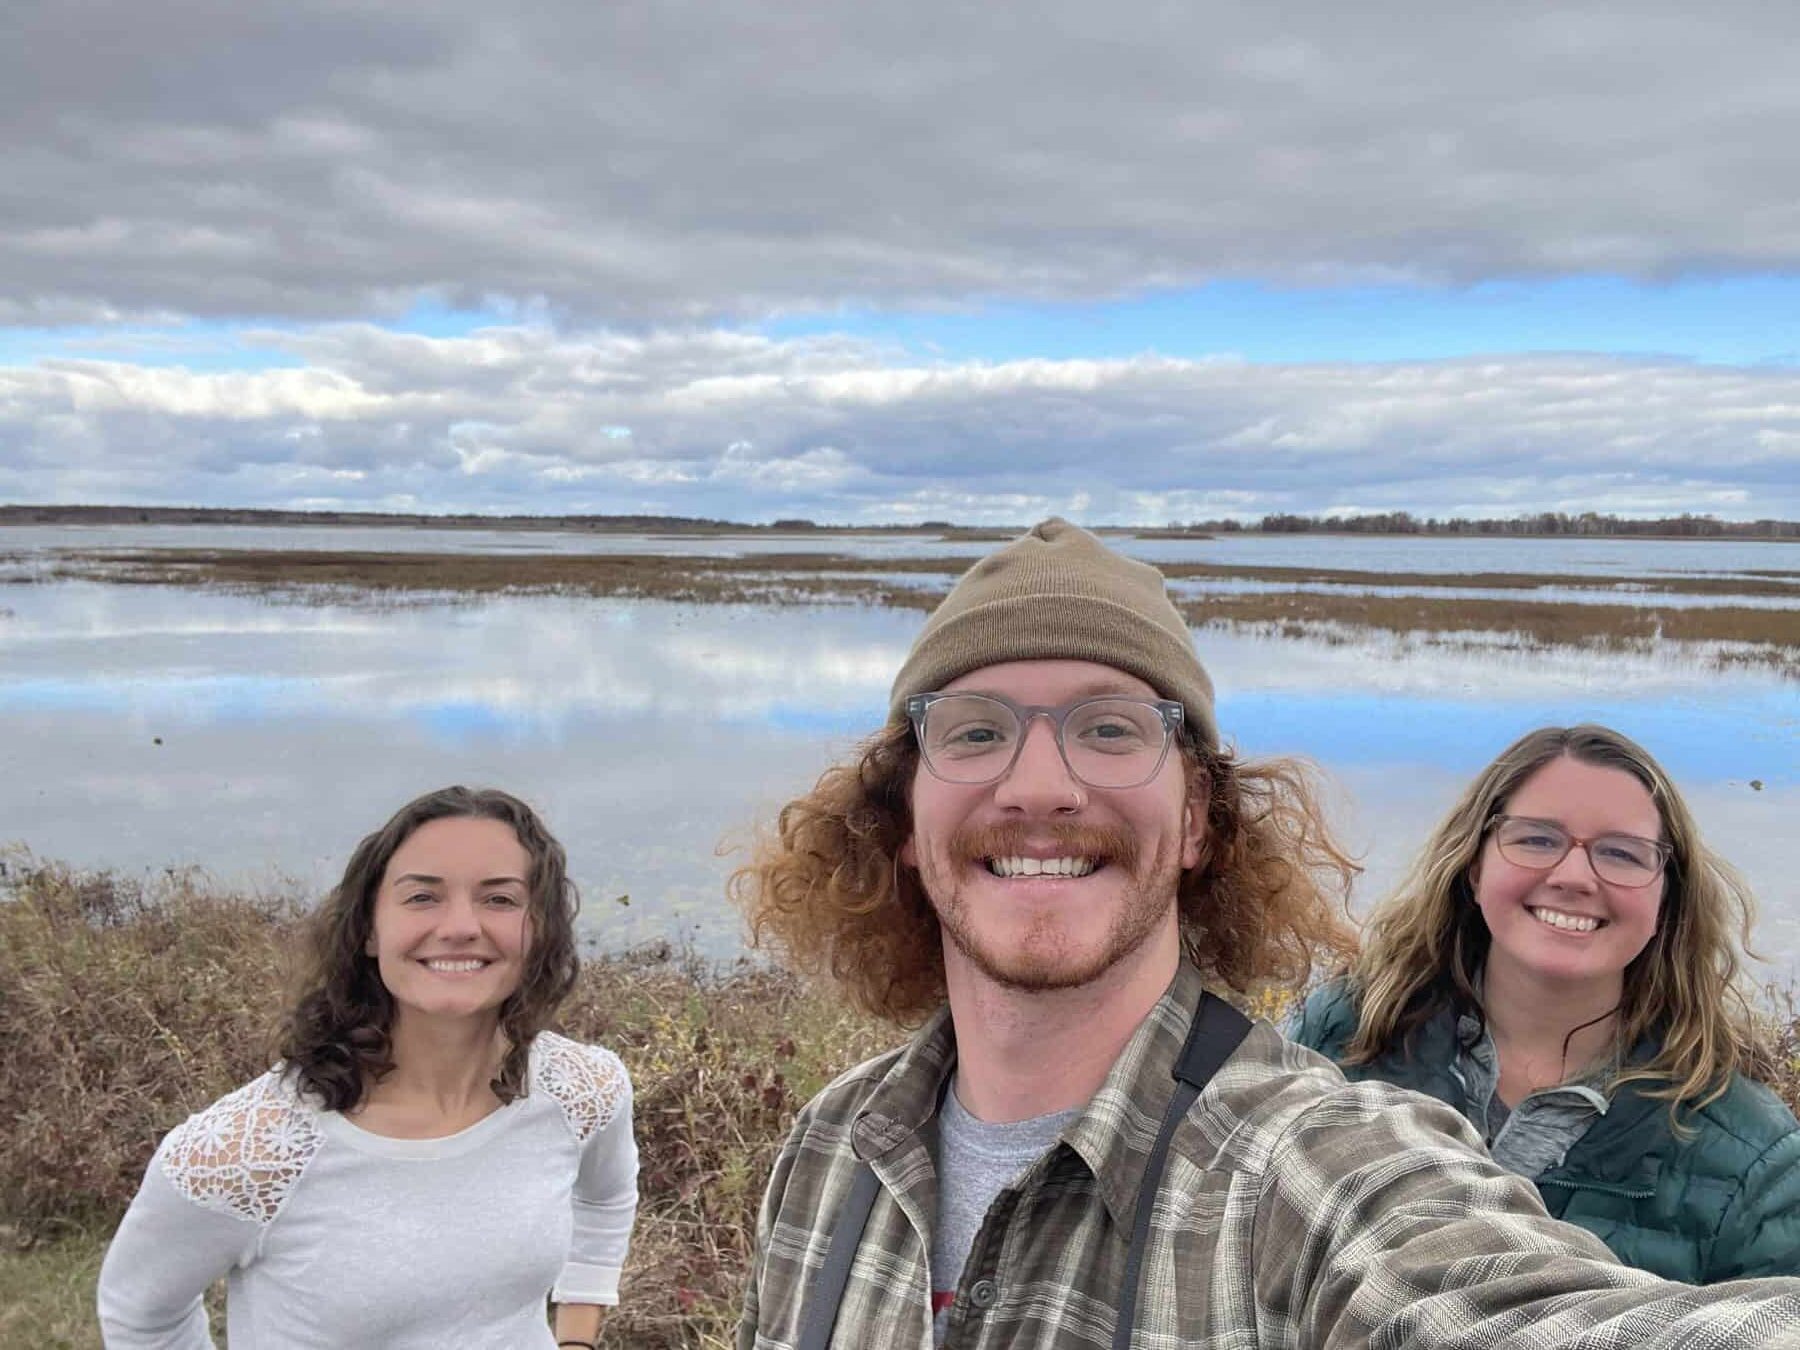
(47, 1291)
(129, 1004)
(674, 575)
(761, 578)
(1719, 635)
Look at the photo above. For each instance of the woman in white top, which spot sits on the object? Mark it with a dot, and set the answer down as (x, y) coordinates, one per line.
(426, 1163)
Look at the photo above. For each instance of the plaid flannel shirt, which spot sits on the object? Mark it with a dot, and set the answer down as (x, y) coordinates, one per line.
(1296, 1211)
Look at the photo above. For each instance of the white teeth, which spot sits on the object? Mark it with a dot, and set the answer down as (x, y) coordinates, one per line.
(455, 967)
(1046, 867)
(1571, 923)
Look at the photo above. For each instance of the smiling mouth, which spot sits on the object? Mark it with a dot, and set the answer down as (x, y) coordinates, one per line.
(462, 965)
(1040, 867)
(1566, 923)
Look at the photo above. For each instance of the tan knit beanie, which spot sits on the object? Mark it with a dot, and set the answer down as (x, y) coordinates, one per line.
(1057, 592)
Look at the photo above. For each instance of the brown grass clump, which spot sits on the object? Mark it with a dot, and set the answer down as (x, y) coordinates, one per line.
(1769, 636)
(1751, 583)
(127, 1005)
(1781, 1031)
(720, 1062)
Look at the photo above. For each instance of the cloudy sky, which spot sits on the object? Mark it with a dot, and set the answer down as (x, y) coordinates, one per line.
(1131, 261)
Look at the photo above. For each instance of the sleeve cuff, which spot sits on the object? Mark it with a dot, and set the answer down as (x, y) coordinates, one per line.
(587, 1284)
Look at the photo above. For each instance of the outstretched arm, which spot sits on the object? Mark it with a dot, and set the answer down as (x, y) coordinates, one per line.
(1382, 1223)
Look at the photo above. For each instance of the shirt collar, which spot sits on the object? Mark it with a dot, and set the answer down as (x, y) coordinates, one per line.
(905, 1101)
(1113, 1134)
(1480, 1062)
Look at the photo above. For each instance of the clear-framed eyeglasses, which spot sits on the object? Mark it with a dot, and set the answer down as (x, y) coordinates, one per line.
(1104, 742)
(1626, 860)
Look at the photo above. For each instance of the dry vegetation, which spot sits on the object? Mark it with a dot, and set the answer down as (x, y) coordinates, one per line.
(128, 1006)
(676, 576)
(1324, 602)
(1754, 636)
(295, 574)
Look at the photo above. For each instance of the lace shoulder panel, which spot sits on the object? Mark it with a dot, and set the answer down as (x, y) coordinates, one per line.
(587, 1081)
(242, 1155)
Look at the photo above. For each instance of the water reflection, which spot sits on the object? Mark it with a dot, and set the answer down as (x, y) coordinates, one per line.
(1197, 588)
(1736, 559)
(142, 727)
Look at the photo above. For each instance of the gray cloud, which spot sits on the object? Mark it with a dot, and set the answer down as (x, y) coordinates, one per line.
(673, 162)
(722, 424)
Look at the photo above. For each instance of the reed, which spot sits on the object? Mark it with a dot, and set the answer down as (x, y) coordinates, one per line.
(129, 1003)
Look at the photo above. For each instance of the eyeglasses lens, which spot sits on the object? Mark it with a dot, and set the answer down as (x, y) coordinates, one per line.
(1108, 743)
(1622, 859)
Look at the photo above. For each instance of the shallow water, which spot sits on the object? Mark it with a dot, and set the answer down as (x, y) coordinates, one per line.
(1196, 588)
(144, 727)
(1578, 557)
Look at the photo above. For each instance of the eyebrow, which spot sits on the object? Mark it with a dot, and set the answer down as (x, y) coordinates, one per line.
(438, 881)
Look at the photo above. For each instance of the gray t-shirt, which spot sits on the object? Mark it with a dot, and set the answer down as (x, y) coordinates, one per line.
(976, 1160)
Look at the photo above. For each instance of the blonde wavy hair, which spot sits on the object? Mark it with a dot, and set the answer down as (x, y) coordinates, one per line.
(825, 887)
(1424, 945)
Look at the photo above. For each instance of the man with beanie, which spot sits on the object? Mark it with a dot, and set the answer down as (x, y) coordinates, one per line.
(1046, 858)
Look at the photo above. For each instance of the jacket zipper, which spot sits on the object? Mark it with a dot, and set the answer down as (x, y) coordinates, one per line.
(1594, 1186)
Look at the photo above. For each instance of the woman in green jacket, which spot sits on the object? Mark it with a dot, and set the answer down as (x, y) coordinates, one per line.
(1562, 966)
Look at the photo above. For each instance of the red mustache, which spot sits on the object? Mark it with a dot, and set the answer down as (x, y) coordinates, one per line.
(975, 843)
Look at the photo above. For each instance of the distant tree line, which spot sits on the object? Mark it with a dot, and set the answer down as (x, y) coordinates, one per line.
(1587, 524)
(1590, 524)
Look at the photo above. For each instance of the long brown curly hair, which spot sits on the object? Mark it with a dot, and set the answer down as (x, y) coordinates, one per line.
(338, 1034)
(1425, 944)
(827, 891)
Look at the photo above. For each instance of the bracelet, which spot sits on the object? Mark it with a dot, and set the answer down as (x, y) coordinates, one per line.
(584, 1345)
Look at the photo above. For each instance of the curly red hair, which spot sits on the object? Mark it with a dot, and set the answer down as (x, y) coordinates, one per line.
(1268, 902)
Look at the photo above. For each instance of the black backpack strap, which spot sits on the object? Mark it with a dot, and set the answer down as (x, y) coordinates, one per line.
(1216, 1031)
(846, 1236)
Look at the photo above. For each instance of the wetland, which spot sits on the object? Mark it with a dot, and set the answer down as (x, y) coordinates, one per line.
(249, 700)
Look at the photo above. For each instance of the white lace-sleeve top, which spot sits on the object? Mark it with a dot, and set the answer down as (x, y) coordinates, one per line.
(331, 1236)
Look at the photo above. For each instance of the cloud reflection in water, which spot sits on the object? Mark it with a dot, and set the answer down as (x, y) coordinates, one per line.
(646, 731)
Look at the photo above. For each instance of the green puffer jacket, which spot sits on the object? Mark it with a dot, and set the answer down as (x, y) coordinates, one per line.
(1720, 1205)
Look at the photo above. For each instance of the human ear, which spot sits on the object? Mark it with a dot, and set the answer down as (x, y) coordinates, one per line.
(1193, 827)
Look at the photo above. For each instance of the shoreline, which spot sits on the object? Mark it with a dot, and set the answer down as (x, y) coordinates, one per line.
(1687, 528)
(1329, 604)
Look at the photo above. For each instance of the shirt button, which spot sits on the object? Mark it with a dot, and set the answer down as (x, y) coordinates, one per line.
(982, 1293)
